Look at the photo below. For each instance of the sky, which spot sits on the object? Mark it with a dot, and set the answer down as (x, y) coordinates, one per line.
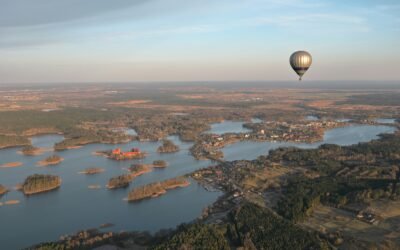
(49, 41)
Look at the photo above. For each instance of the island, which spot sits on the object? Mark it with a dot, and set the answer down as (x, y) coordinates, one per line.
(12, 165)
(3, 190)
(92, 171)
(31, 150)
(39, 183)
(118, 155)
(160, 164)
(156, 189)
(168, 147)
(139, 169)
(121, 181)
(51, 160)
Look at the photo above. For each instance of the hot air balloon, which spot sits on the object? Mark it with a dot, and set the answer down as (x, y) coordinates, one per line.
(300, 62)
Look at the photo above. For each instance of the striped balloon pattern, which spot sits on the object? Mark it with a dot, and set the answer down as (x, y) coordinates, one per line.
(300, 62)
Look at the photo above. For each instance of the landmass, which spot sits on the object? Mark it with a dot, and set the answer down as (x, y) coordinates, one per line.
(38, 183)
(51, 160)
(9, 141)
(343, 197)
(167, 147)
(156, 189)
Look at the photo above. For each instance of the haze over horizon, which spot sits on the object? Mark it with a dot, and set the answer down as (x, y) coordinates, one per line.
(200, 40)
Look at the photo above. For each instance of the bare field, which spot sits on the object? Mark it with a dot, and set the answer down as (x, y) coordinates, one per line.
(327, 219)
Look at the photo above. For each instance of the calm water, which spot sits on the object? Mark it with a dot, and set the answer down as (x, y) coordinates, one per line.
(386, 120)
(73, 207)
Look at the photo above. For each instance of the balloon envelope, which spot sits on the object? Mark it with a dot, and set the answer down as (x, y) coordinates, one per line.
(300, 62)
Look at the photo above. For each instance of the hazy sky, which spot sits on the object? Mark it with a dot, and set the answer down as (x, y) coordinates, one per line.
(196, 40)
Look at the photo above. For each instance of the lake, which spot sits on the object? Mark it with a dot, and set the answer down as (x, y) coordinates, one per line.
(343, 136)
(386, 120)
(73, 207)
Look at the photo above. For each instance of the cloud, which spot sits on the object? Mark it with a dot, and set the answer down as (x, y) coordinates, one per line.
(312, 21)
(22, 13)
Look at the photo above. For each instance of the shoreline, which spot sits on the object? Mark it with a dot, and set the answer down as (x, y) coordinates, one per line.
(42, 191)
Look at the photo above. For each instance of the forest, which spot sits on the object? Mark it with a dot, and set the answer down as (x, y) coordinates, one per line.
(248, 226)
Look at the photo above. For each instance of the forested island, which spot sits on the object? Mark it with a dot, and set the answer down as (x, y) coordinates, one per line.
(51, 160)
(138, 169)
(92, 171)
(156, 189)
(30, 150)
(38, 183)
(160, 164)
(123, 181)
(168, 147)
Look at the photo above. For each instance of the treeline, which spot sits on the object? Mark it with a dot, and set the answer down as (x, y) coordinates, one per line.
(40, 183)
(197, 236)
(78, 137)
